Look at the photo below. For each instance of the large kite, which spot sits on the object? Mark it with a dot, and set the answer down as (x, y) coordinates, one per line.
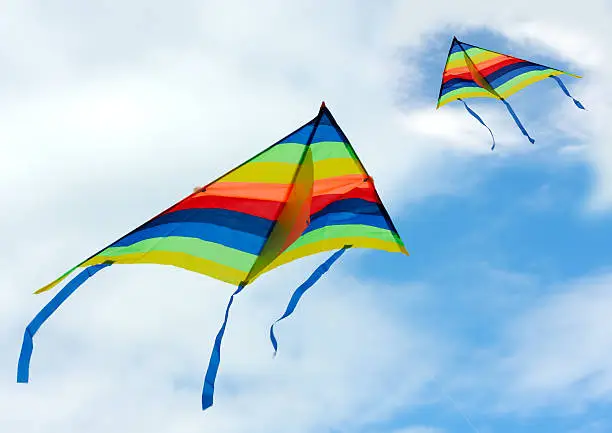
(473, 72)
(305, 194)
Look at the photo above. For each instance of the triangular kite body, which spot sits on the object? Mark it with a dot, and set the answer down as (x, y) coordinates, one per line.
(306, 194)
(474, 72)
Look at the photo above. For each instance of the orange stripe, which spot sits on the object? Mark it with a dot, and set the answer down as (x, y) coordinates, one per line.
(278, 192)
(491, 62)
(339, 185)
(259, 191)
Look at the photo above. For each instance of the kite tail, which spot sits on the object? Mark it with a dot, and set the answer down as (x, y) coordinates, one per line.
(23, 367)
(567, 93)
(473, 113)
(215, 357)
(295, 298)
(517, 121)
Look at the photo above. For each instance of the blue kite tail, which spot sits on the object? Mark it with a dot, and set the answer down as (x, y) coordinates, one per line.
(567, 93)
(23, 367)
(295, 298)
(516, 119)
(215, 358)
(473, 113)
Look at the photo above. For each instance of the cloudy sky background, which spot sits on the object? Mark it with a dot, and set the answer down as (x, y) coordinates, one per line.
(112, 111)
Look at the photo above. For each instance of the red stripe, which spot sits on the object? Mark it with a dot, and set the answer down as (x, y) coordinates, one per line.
(261, 208)
(485, 68)
(465, 74)
(488, 69)
(319, 202)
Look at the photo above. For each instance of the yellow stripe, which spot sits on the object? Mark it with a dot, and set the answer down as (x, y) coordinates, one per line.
(263, 172)
(334, 244)
(335, 167)
(476, 58)
(508, 88)
(282, 172)
(180, 260)
(454, 95)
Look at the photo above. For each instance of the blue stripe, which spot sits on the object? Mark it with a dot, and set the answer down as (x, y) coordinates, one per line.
(247, 242)
(456, 48)
(220, 217)
(345, 218)
(300, 136)
(503, 75)
(326, 131)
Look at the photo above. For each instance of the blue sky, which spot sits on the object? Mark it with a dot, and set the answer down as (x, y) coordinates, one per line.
(519, 217)
(499, 314)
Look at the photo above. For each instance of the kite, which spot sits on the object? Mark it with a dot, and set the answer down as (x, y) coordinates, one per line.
(473, 72)
(305, 194)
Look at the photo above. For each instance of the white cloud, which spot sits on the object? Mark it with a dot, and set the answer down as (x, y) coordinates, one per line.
(134, 343)
(115, 111)
(555, 354)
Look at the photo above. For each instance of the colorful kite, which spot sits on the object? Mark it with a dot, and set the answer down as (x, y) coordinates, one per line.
(473, 72)
(305, 194)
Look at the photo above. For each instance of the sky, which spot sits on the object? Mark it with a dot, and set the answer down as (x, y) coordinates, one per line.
(496, 322)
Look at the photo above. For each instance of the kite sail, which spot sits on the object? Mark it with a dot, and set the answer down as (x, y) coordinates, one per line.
(473, 72)
(305, 194)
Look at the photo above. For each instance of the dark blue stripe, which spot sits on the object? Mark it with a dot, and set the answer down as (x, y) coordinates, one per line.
(354, 205)
(247, 242)
(341, 218)
(507, 73)
(457, 83)
(221, 217)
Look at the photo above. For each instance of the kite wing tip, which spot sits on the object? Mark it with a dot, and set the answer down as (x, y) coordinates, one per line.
(322, 105)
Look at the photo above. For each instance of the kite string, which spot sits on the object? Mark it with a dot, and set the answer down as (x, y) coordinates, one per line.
(295, 298)
(464, 415)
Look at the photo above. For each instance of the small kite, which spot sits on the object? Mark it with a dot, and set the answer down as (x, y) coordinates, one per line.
(305, 194)
(473, 72)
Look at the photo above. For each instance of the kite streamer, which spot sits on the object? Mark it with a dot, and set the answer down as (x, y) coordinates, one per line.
(302, 289)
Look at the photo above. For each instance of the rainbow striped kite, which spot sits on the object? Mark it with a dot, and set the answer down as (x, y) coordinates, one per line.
(473, 72)
(305, 194)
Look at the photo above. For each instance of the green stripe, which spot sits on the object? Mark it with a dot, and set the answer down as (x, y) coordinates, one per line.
(284, 152)
(195, 247)
(292, 152)
(342, 231)
(470, 52)
(464, 90)
(507, 86)
(329, 149)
